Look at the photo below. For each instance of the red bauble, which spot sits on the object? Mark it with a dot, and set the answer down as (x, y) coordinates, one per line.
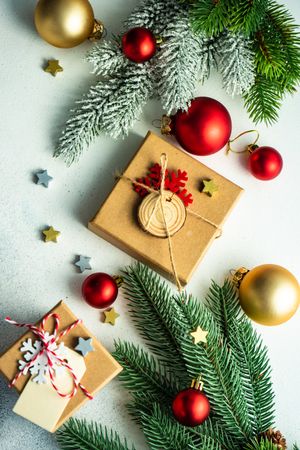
(191, 407)
(139, 44)
(265, 163)
(204, 128)
(99, 290)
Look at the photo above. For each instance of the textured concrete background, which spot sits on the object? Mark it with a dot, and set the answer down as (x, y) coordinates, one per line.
(34, 276)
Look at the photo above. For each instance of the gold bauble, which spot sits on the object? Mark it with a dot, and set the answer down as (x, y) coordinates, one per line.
(269, 294)
(64, 23)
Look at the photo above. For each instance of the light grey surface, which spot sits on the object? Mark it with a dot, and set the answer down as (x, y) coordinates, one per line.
(34, 275)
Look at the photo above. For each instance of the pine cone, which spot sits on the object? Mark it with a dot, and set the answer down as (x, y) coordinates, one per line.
(276, 438)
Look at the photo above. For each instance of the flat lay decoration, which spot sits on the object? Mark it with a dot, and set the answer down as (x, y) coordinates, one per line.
(196, 374)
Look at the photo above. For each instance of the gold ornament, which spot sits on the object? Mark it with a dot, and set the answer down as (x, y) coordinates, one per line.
(111, 316)
(64, 23)
(269, 294)
(51, 234)
(199, 335)
(53, 67)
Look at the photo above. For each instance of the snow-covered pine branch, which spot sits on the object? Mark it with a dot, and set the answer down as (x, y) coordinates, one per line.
(111, 106)
(237, 63)
(123, 108)
(178, 63)
(107, 58)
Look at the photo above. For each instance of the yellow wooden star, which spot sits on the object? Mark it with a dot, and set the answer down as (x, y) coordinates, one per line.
(199, 335)
(51, 234)
(209, 187)
(110, 316)
(53, 67)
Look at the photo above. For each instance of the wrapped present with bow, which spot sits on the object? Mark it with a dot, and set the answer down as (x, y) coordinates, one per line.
(166, 209)
(56, 366)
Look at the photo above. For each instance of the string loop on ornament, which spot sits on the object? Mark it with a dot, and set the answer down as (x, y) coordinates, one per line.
(156, 123)
(249, 147)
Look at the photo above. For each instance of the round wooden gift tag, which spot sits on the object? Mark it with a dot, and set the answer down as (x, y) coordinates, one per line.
(151, 218)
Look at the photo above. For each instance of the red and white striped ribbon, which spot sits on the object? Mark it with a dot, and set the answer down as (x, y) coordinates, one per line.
(52, 356)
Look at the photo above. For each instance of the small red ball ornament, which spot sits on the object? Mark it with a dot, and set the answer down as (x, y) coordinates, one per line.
(191, 407)
(265, 163)
(99, 290)
(204, 128)
(139, 44)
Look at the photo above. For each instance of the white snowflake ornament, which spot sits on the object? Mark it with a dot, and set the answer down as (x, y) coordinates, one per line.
(40, 367)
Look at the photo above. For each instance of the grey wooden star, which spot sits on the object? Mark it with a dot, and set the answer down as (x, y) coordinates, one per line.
(83, 263)
(84, 346)
(43, 178)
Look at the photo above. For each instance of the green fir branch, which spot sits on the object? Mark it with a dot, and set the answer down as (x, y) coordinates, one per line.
(142, 373)
(249, 352)
(162, 432)
(277, 44)
(210, 16)
(80, 435)
(179, 317)
(220, 372)
(247, 15)
(263, 100)
(156, 316)
(261, 444)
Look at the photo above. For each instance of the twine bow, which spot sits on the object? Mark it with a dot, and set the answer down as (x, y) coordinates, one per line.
(48, 349)
(159, 203)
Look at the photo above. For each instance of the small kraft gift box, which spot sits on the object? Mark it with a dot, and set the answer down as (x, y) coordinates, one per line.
(56, 366)
(181, 209)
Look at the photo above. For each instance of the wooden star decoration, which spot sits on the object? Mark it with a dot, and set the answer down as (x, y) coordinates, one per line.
(199, 335)
(51, 234)
(84, 346)
(53, 67)
(209, 187)
(110, 316)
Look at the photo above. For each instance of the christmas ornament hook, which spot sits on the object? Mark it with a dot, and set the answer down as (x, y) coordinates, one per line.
(250, 148)
(197, 383)
(99, 31)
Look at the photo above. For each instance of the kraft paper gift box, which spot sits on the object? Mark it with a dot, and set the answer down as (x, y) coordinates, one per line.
(117, 222)
(98, 367)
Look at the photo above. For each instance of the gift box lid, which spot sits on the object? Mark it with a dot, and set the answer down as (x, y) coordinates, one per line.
(116, 220)
(101, 367)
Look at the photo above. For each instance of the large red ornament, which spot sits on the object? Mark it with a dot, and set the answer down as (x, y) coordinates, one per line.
(191, 407)
(139, 44)
(265, 163)
(204, 128)
(99, 290)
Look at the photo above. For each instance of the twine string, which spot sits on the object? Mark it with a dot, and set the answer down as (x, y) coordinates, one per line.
(50, 353)
(230, 149)
(159, 202)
